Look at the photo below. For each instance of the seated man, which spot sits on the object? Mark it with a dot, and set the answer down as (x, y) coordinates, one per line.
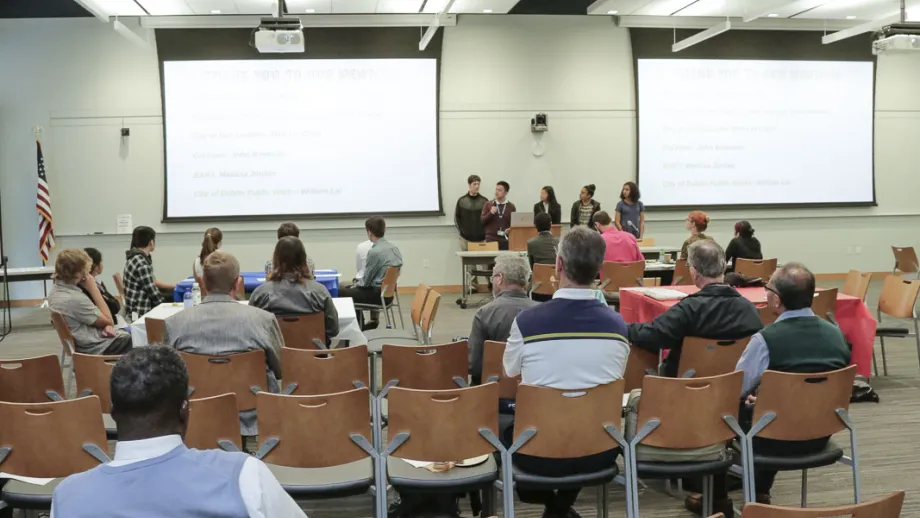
(493, 321)
(541, 249)
(716, 311)
(153, 472)
(288, 229)
(89, 319)
(220, 326)
(622, 247)
(380, 258)
(542, 345)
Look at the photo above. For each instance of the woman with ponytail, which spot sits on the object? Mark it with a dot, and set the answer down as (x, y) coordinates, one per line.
(585, 208)
(213, 238)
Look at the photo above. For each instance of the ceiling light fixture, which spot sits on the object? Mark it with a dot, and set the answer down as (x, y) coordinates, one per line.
(487, 11)
(612, 12)
(309, 10)
(772, 15)
(851, 17)
(215, 11)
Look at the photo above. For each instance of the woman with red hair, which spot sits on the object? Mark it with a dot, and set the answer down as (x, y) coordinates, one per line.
(697, 222)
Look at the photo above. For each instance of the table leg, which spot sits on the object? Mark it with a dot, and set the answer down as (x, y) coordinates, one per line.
(465, 280)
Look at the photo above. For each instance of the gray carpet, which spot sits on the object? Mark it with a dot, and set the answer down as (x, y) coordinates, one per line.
(885, 432)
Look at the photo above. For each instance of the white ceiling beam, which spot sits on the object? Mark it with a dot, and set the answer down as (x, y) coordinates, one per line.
(861, 29)
(704, 22)
(133, 32)
(313, 20)
(433, 28)
(95, 9)
(699, 37)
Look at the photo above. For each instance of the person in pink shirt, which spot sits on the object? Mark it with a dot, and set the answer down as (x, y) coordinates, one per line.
(622, 247)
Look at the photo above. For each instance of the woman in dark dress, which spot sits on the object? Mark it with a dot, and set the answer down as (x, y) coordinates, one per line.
(743, 246)
(96, 270)
(548, 205)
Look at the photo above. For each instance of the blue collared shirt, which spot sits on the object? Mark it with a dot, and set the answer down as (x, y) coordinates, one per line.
(756, 357)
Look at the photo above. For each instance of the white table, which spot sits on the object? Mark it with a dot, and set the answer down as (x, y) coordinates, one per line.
(344, 306)
(32, 273)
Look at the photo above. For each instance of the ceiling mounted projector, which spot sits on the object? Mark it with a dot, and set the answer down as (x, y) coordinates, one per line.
(899, 37)
(279, 36)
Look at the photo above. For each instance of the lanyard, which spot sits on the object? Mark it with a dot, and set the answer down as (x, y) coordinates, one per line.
(501, 211)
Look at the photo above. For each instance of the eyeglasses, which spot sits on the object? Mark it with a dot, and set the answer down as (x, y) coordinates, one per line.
(771, 290)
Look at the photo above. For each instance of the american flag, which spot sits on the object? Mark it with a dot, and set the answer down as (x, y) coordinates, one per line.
(43, 206)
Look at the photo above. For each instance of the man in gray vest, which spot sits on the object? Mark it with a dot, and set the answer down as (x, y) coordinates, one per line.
(154, 474)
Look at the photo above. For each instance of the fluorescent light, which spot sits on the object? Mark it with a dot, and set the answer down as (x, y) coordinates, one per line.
(611, 12)
(702, 36)
(215, 11)
(772, 15)
(487, 11)
(872, 26)
(309, 10)
(851, 17)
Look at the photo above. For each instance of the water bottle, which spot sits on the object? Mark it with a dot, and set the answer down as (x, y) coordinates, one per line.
(196, 294)
(187, 300)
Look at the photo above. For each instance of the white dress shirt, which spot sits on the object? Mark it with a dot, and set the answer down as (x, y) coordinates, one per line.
(361, 258)
(262, 493)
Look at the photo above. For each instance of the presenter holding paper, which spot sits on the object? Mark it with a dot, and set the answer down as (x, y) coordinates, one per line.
(496, 216)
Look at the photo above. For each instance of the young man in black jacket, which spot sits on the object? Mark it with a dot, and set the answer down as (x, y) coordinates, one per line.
(468, 211)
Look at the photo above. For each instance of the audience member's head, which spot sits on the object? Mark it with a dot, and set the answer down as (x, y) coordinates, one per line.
(144, 238)
(602, 220)
(744, 229)
(630, 192)
(580, 256)
(71, 266)
(290, 260)
(376, 227)
(221, 270)
(511, 272)
(587, 192)
(473, 182)
(288, 229)
(697, 221)
(213, 238)
(149, 388)
(543, 222)
(501, 190)
(791, 287)
(707, 262)
(96, 257)
(548, 195)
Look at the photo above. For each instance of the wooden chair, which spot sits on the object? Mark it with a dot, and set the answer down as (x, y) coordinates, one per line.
(319, 446)
(857, 284)
(620, 275)
(415, 319)
(31, 380)
(68, 346)
(430, 367)
(705, 357)
(445, 426)
(119, 287)
(905, 260)
(156, 331)
(93, 373)
(825, 303)
(305, 331)
(542, 281)
(309, 373)
(685, 413)
(897, 299)
(885, 507)
(646, 241)
(214, 422)
(48, 440)
(640, 364)
(682, 274)
(760, 268)
(429, 314)
(493, 370)
(801, 407)
(767, 315)
(388, 292)
(591, 426)
(651, 282)
(242, 374)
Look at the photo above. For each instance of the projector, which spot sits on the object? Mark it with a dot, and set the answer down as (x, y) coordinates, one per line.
(901, 37)
(279, 35)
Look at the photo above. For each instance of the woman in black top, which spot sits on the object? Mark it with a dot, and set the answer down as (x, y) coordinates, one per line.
(585, 208)
(96, 270)
(743, 246)
(548, 205)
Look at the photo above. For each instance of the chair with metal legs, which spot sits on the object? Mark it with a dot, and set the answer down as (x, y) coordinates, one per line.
(68, 346)
(898, 299)
(885, 507)
(905, 261)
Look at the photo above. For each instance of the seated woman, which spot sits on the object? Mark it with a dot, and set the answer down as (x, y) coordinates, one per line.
(697, 222)
(290, 288)
(213, 239)
(743, 246)
(585, 207)
(96, 270)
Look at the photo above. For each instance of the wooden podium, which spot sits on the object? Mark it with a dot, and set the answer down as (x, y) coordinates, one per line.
(519, 235)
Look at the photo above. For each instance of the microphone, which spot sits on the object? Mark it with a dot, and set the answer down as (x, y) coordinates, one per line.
(630, 223)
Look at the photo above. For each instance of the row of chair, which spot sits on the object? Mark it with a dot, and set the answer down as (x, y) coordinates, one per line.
(884, 507)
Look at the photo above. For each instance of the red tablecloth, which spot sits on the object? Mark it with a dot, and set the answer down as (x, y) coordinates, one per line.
(851, 314)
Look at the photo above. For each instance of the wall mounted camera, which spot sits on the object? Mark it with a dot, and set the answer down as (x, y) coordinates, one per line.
(539, 123)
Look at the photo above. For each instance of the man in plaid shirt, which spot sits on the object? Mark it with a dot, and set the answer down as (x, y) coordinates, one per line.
(142, 290)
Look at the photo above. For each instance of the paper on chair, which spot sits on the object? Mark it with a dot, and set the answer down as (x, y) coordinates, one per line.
(28, 480)
(419, 463)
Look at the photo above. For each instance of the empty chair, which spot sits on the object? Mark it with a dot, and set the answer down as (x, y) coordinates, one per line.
(639, 364)
(242, 374)
(426, 316)
(760, 268)
(324, 372)
(905, 260)
(431, 367)
(493, 370)
(93, 375)
(825, 303)
(897, 299)
(620, 275)
(542, 281)
(156, 331)
(705, 357)
(68, 346)
(307, 331)
(682, 274)
(213, 422)
(415, 319)
(389, 298)
(31, 380)
(857, 284)
(885, 507)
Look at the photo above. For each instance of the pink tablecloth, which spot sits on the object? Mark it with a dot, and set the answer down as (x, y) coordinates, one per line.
(851, 314)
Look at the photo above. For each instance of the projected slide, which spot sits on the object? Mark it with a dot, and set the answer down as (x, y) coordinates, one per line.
(300, 136)
(721, 132)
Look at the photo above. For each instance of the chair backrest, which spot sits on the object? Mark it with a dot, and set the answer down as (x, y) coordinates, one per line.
(418, 304)
(492, 365)
(767, 315)
(581, 432)
(156, 331)
(325, 372)
(638, 364)
(681, 273)
(47, 439)
(542, 280)
(709, 356)
(646, 241)
(491, 246)
(443, 425)
(898, 296)
(94, 373)
(234, 373)
(825, 303)
(28, 380)
(761, 268)
(690, 409)
(804, 404)
(388, 285)
(885, 507)
(63, 332)
(299, 331)
(119, 286)
(429, 312)
(622, 275)
(211, 420)
(429, 367)
(651, 282)
(315, 431)
(857, 284)
(905, 259)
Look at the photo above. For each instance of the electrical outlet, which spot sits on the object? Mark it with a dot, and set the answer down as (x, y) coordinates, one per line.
(426, 263)
(858, 250)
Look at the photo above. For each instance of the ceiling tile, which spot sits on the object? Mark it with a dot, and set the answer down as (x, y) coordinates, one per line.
(662, 7)
(309, 6)
(213, 6)
(254, 6)
(865, 10)
(121, 7)
(166, 7)
(398, 6)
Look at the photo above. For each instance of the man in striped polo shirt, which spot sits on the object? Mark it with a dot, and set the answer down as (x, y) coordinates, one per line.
(571, 342)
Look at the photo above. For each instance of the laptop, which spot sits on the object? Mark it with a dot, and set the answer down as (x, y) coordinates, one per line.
(521, 219)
